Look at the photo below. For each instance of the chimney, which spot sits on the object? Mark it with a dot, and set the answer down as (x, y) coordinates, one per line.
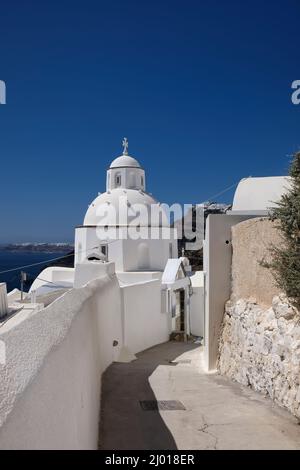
(3, 300)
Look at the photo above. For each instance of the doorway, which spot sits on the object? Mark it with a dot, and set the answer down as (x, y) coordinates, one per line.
(180, 311)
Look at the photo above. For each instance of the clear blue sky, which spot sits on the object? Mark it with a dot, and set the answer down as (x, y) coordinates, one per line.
(200, 88)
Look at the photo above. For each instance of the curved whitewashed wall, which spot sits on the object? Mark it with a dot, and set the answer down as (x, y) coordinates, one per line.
(58, 275)
(51, 382)
(50, 385)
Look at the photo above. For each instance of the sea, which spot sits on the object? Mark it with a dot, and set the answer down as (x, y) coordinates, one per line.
(15, 259)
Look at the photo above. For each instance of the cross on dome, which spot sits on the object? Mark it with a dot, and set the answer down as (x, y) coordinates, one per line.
(125, 161)
(125, 146)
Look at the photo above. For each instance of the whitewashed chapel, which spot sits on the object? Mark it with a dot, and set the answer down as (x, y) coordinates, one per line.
(126, 232)
(128, 291)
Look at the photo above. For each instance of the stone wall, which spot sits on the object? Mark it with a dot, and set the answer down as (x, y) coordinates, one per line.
(260, 347)
(251, 241)
(260, 339)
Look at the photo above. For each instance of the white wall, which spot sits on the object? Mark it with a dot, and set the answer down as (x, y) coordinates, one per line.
(145, 324)
(217, 267)
(130, 178)
(90, 270)
(124, 252)
(58, 275)
(3, 300)
(158, 254)
(197, 304)
(131, 277)
(50, 385)
(87, 242)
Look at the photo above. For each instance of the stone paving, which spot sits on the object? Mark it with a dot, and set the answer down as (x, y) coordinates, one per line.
(218, 414)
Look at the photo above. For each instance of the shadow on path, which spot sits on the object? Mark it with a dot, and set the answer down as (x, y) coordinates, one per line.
(123, 424)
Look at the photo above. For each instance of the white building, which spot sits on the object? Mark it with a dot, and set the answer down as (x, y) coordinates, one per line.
(123, 296)
(126, 231)
(254, 197)
(125, 224)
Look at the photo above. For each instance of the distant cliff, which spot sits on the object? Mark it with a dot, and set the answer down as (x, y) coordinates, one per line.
(39, 247)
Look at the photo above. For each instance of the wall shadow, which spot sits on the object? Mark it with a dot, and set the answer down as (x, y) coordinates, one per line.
(124, 425)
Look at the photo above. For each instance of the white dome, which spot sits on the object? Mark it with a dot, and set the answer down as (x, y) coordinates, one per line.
(125, 161)
(98, 212)
(259, 194)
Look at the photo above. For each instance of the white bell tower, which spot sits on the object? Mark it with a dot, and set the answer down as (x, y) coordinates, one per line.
(125, 172)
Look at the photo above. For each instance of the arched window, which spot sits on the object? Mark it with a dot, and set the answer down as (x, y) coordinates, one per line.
(132, 183)
(104, 251)
(118, 179)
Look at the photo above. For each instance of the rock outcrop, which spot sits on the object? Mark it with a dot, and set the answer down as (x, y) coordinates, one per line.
(260, 347)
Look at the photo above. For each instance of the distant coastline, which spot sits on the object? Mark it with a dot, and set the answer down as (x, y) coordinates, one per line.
(38, 247)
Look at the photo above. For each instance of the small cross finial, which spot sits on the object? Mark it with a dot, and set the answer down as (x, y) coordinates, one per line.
(125, 146)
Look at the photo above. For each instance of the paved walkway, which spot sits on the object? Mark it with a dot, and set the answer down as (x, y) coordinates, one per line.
(219, 414)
